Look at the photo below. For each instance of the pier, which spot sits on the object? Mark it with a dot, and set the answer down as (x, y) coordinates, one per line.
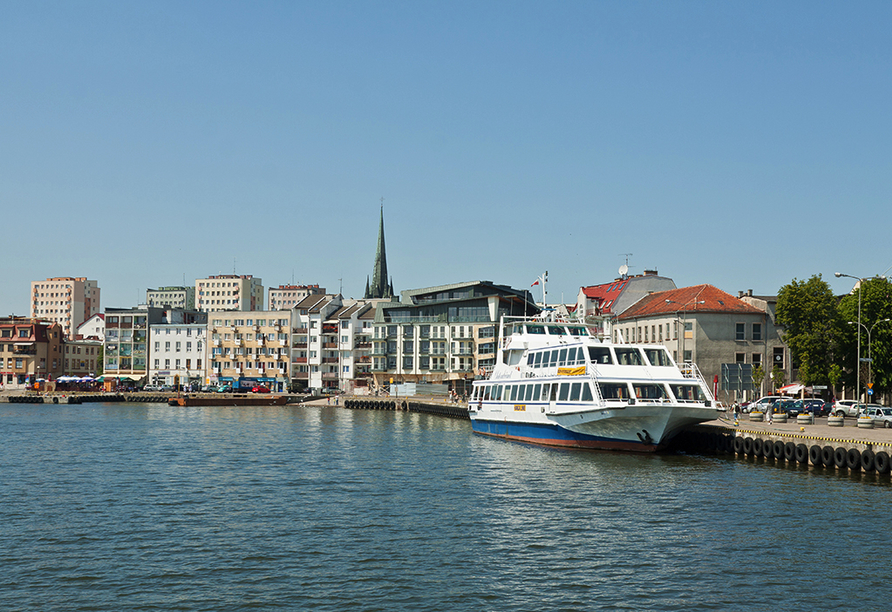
(818, 444)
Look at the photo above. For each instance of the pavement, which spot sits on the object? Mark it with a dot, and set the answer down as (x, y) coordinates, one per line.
(849, 432)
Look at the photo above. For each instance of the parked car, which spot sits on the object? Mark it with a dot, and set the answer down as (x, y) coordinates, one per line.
(881, 415)
(816, 407)
(785, 406)
(151, 388)
(224, 389)
(260, 389)
(846, 408)
(763, 404)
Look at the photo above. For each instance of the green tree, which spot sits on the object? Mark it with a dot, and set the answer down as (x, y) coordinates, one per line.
(758, 377)
(876, 306)
(778, 377)
(809, 317)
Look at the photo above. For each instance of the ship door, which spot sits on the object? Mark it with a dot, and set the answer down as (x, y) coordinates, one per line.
(553, 397)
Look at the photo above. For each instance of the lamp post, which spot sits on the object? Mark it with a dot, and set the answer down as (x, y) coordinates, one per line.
(858, 366)
(869, 358)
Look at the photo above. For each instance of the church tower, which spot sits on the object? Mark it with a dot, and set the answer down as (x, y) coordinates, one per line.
(380, 287)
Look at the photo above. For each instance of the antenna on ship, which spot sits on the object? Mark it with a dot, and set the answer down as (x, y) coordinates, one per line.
(541, 280)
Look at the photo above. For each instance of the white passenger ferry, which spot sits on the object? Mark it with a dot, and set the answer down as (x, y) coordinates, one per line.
(555, 383)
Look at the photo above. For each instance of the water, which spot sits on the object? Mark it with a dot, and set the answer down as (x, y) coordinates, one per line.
(149, 507)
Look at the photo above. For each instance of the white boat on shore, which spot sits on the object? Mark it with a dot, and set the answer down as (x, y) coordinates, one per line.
(555, 383)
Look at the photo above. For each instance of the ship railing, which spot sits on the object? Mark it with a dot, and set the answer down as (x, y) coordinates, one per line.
(689, 369)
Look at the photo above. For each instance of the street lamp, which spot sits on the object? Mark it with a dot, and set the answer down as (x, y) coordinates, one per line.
(858, 366)
(869, 358)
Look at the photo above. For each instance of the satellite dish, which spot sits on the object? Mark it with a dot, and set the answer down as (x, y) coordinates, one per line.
(623, 270)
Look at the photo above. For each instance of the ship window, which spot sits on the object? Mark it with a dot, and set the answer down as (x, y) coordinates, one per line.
(599, 354)
(485, 391)
(545, 389)
(557, 331)
(574, 392)
(535, 329)
(537, 392)
(554, 358)
(562, 360)
(514, 392)
(653, 392)
(628, 356)
(688, 393)
(614, 391)
(538, 360)
(580, 355)
(530, 359)
(586, 393)
(529, 394)
(497, 396)
(578, 331)
(554, 391)
(658, 357)
(565, 392)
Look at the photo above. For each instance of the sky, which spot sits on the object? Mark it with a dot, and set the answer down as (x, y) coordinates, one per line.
(740, 144)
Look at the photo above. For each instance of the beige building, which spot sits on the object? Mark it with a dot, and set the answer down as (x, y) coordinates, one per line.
(30, 351)
(229, 292)
(82, 357)
(69, 301)
(288, 296)
(250, 348)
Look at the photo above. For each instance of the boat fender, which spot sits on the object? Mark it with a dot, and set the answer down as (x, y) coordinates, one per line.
(748, 446)
(801, 453)
(815, 455)
(881, 462)
(757, 447)
(827, 456)
(779, 450)
(853, 459)
(867, 460)
(738, 445)
(789, 451)
(839, 457)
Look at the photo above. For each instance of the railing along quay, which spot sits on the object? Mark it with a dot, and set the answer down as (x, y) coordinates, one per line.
(455, 411)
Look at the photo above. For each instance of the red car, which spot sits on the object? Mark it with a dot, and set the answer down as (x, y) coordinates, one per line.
(259, 389)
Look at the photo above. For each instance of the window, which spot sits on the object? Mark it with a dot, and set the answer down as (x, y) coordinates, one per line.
(739, 357)
(757, 331)
(740, 333)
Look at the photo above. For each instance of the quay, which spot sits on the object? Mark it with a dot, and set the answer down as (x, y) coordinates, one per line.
(818, 444)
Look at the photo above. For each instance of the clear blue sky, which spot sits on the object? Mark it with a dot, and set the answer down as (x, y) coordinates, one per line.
(741, 144)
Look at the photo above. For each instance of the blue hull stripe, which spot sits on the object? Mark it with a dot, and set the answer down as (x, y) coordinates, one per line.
(554, 435)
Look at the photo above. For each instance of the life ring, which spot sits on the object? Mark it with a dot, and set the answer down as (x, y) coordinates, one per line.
(801, 453)
(868, 463)
(853, 459)
(881, 462)
(815, 455)
(827, 456)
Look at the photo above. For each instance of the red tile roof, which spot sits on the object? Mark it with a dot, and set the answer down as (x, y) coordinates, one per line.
(699, 298)
(606, 294)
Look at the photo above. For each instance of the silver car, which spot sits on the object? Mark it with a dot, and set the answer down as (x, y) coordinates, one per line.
(880, 415)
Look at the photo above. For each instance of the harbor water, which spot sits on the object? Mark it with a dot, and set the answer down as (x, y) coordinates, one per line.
(150, 507)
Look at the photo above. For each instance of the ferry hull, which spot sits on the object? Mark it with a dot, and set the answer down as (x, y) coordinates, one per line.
(550, 434)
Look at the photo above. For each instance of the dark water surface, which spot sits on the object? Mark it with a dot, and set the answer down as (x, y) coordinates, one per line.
(148, 507)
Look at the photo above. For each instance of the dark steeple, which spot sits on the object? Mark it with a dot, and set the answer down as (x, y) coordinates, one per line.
(380, 288)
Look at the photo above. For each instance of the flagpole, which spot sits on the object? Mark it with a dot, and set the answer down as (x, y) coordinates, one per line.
(542, 280)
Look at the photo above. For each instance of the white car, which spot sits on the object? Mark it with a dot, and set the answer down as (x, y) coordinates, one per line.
(764, 404)
(880, 415)
(846, 408)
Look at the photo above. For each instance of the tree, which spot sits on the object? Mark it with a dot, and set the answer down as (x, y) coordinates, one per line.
(807, 311)
(778, 377)
(876, 306)
(758, 377)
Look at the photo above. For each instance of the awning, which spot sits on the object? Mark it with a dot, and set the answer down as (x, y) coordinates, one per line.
(791, 389)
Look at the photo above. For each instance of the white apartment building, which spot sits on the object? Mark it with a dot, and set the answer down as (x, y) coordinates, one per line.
(66, 300)
(171, 297)
(92, 329)
(288, 296)
(314, 357)
(229, 292)
(178, 354)
(250, 348)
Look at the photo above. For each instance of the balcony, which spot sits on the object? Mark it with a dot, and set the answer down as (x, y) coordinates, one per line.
(301, 376)
(329, 376)
(300, 345)
(362, 345)
(329, 345)
(301, 330)
(299, 360)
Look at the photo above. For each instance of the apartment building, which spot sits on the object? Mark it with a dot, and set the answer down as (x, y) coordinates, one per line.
(126, 354)
(250, 348)
(82, 357)
(91, 329)
(444, 334)
(69, 301)
(314, 343)
(30, 351)
(178, 354)
(171, 297)
(284, 297)
(229, 292)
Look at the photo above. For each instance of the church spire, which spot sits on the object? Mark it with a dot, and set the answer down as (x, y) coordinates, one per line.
(380, 288)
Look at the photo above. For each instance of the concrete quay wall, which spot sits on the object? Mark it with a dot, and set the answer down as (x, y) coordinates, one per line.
(848, 447)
